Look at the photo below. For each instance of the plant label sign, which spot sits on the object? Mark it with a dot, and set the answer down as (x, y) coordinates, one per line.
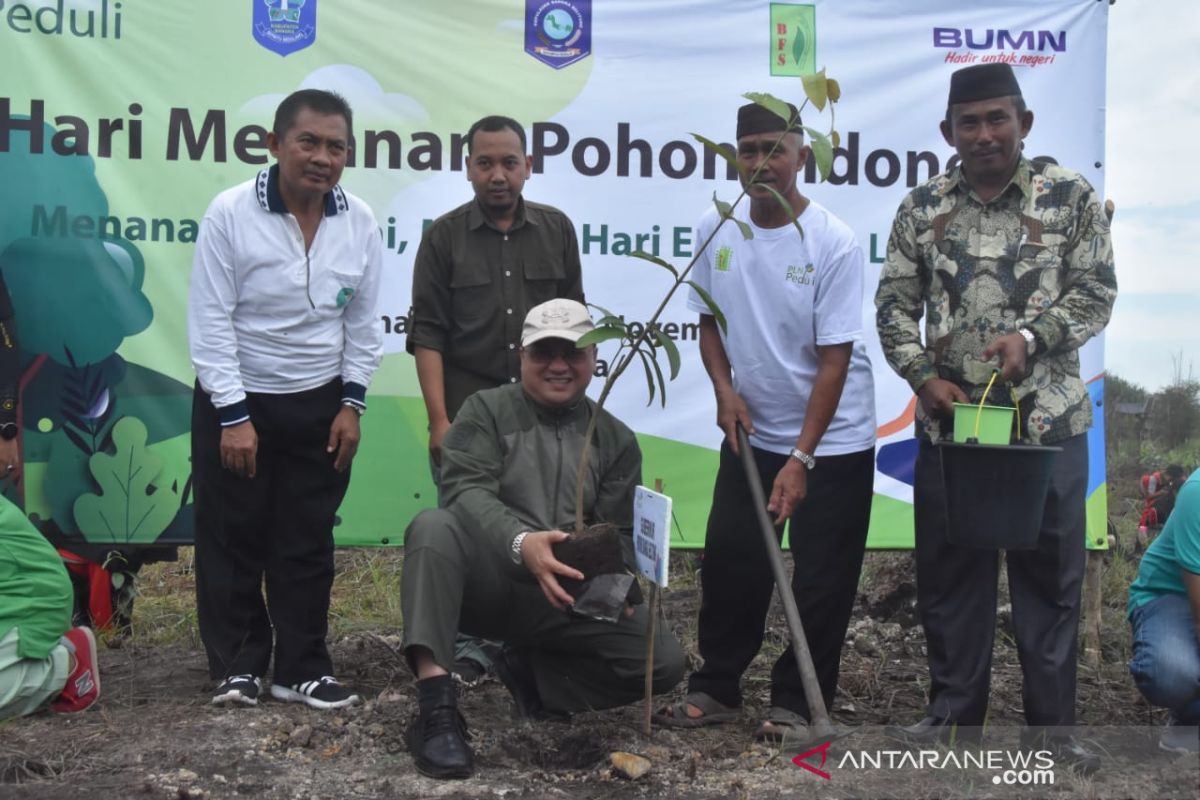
(652, 533)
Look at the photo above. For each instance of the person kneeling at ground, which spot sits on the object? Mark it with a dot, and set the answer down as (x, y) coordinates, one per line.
(484, 562)
(38, 661)
(1164, 610)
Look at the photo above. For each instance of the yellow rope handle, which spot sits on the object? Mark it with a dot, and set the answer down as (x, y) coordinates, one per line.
(983, 400)
(1016, 402)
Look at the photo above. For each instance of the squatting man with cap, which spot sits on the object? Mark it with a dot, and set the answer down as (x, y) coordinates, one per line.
(484, 562)
(793, 370)
(1011, 264)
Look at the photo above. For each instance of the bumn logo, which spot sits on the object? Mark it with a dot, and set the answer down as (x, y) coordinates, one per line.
(793, 39)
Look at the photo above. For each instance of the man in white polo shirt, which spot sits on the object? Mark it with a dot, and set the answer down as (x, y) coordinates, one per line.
(284, 338)
(793, 370)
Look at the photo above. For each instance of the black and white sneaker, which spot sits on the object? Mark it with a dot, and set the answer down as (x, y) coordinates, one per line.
(322, 693)
(240, 690)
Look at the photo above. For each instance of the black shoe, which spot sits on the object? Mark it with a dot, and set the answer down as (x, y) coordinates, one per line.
(1066, 750)
(437, 739)
(239, 690)
(323, 693)
(931, 730)
(517, 676)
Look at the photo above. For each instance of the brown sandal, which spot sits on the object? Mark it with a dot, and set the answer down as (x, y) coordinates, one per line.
(711, 712)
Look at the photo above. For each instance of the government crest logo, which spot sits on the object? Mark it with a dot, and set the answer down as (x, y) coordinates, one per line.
(558, 32)
(285, 26)
(793, 39)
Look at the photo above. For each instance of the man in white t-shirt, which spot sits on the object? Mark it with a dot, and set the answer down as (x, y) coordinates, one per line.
(792, 369)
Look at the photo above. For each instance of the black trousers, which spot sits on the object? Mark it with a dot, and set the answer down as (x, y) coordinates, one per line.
(278, 526)
(956, 596)
(828, 533)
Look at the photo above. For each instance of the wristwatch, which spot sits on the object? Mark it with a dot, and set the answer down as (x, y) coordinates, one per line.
(8, 431)
(515, 550)
(1030, 340)
(803, 457)
(357, 408)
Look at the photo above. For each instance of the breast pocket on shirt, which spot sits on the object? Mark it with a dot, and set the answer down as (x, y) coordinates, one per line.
(471, 293)
(542, 280)
(338, 288)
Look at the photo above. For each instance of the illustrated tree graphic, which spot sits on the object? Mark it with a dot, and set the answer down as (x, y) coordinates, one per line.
(77, 296)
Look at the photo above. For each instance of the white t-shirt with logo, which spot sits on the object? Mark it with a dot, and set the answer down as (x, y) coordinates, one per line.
(782, 295)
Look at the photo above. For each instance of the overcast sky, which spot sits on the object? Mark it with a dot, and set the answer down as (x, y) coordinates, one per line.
(1153, 153)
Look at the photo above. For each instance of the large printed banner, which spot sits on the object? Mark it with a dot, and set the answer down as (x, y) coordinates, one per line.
(119, 121)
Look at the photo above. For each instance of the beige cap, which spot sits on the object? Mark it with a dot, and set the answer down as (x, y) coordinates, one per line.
(556, 319)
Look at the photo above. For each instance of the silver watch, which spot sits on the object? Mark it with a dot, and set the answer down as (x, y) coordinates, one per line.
(1030, 341)
(803, 457)
(515, 550)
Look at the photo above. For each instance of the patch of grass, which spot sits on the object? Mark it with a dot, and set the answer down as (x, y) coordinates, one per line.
(164, 611)
(365, 596)
(366, 590)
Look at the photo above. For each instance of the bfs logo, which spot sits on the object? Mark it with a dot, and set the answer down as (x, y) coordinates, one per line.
(793, 39)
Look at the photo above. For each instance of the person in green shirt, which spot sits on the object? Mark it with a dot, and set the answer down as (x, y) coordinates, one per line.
(1164, 611)
(40, 659)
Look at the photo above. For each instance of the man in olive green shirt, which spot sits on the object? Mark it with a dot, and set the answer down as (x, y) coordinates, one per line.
(479, 270)
(485, 561)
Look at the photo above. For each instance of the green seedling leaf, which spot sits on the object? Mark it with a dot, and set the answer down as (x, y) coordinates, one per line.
(787, 207)
(723, 152)
(723, 208)
(726, 212)
(601, 334)
(653, 259)
(822, 151)
(649, 376)
(712, 305)
(662, 383)
(770, 103)
(816, 88)
(668, 345)
(747, 234)
(604, 311)
(835, 138)
(610, 320)
(833, 89)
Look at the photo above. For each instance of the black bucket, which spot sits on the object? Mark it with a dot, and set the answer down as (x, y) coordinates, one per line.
(995, 494)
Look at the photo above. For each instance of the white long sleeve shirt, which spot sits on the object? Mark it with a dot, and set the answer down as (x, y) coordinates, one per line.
(265, 316)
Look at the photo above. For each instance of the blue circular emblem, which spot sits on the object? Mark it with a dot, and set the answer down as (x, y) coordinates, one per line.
(558, 25)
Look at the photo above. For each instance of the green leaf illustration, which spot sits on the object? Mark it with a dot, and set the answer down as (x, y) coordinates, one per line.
(130, 509)
(799, 45)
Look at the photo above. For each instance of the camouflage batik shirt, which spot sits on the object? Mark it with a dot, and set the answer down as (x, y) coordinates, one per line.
(1038, 256)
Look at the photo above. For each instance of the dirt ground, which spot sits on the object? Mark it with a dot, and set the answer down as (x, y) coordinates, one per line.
(155, 735)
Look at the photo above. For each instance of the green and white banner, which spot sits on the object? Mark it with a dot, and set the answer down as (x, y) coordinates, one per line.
(121, 119)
